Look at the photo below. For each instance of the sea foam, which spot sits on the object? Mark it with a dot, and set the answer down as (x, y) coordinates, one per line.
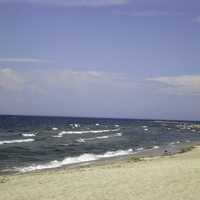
(140, 149)
(73, 160)
(15, 141)
(83, 140)
(28, 134)
(84, 132)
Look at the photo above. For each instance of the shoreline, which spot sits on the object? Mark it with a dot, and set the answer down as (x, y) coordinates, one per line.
(174, 176)
(146, 153)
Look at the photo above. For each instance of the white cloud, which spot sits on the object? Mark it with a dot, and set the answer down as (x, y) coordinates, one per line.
(61, 91)
(185, 84)
(42, 80)
(23, 60)
(72, 3)
(11, 80)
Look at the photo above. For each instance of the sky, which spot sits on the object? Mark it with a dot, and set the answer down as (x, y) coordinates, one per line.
(100, 58)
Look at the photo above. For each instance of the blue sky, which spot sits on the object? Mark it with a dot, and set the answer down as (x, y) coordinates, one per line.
(108, 58)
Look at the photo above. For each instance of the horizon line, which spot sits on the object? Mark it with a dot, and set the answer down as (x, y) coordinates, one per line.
(90, 117)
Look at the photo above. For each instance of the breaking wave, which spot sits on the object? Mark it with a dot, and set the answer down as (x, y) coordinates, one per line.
(28, 134)
(82, 140)
(83, 132)
(73, 160)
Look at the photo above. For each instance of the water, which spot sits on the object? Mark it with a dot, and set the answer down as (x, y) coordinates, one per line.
(29, 143)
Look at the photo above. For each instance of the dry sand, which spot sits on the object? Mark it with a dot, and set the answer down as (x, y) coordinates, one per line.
(162, 178)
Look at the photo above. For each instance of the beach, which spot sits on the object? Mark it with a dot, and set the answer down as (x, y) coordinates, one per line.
(162, 177)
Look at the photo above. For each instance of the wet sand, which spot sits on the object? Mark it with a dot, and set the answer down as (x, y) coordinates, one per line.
(168, 177)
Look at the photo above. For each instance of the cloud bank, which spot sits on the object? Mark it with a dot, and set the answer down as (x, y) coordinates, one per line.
(64, 92)
(67, 80)
(186, 84)
(67, 92)
(11, 80)
(54, 79)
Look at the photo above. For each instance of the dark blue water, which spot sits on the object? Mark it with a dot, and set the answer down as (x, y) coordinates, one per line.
(34, 142)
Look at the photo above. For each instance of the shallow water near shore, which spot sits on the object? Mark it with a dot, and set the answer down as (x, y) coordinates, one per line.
(35, 143)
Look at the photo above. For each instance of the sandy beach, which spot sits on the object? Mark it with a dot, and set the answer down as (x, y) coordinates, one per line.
(174, 177)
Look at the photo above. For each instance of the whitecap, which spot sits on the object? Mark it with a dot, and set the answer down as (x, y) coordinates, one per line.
(54, 129)
(81, 140)
(28, 134)
(76, 125)
(73, 160)
(86, 131)
(15, 141)
(118, 134)
(102, 137)
(99, 137)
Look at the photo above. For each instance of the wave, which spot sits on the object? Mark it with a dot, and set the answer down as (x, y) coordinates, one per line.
(15, 141)
(143, 149)
(75, 125)
(54, 129)
(178, 142)
(56, 136)
(83, 140)
(83, 132)
(74, 160)
(145, 128)
(28, 134)
(140, 149)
